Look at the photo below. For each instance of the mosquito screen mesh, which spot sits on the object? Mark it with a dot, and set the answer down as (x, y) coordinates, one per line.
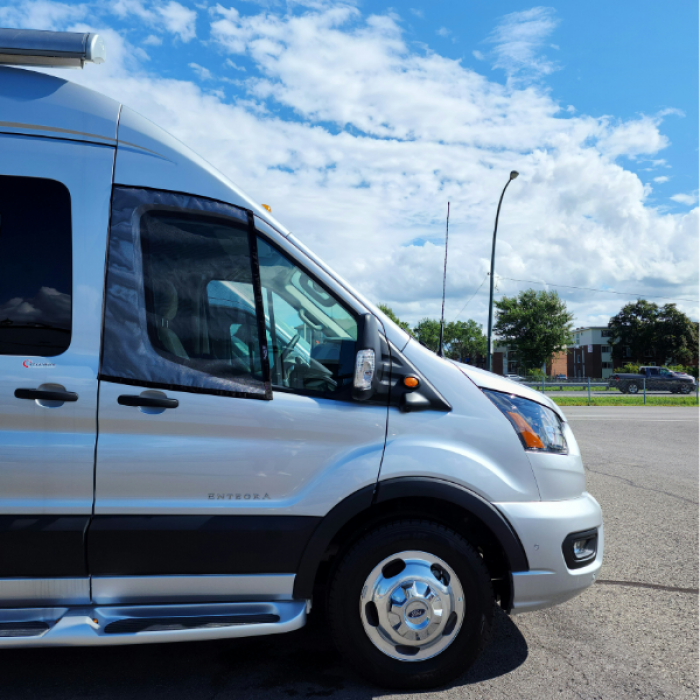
(167, 253)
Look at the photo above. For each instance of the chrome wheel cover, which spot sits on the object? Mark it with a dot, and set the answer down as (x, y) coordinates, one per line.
(412, 606)
(633, 389)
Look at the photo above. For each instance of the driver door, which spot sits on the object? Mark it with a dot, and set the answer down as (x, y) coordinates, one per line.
(207, 481)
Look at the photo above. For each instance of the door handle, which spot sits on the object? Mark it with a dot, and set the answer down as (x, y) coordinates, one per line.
(45, 395)
(146, 401)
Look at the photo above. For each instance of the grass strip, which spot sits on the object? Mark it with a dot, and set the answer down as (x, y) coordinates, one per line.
(625, 400)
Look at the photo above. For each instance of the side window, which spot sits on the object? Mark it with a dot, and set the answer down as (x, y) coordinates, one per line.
(35, 267)
(311, 336)
(182, 305)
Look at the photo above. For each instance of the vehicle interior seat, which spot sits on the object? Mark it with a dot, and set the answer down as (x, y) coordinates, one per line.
(165, 301)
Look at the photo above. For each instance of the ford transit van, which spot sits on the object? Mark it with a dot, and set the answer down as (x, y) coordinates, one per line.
(206, 433)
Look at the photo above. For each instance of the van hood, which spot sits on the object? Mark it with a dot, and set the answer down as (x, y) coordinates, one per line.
(489, 380)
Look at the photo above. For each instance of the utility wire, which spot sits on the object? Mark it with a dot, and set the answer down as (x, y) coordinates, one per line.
(591, 289)
(471, 297)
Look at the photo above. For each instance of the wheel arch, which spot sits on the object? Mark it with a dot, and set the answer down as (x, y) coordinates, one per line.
(454, 506)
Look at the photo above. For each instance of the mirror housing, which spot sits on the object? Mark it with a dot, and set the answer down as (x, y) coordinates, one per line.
(368, 358)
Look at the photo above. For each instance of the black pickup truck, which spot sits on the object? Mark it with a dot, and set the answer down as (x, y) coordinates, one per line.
(657, 379)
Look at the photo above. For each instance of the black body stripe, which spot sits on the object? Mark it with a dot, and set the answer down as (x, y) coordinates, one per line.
(134, 545)
(42, 546)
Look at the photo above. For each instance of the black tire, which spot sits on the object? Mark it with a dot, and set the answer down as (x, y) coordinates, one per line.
(685, 389)
(632, 388)
(346, 589)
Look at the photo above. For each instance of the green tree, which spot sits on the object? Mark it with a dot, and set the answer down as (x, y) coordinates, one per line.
(427, 332)
(676, 336)
(653, 333)
(464, 340)
(633, 328)
(537, 324)
(388, 311)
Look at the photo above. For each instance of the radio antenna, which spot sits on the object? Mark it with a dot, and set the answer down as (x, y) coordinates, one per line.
(444, 282)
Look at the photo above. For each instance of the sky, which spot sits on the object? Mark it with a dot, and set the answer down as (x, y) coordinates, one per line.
(357, 122)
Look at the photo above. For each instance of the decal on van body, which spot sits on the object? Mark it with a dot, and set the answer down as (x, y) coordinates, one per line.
(238, 497)
(30, 364)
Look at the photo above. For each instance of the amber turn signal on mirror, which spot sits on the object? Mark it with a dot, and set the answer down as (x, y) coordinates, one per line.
(411, 382)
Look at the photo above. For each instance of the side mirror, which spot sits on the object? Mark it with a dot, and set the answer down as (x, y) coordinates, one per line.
(369, 355)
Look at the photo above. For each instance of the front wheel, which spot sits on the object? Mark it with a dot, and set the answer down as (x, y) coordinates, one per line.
(686, 389)
(411, 605)
(632, 389)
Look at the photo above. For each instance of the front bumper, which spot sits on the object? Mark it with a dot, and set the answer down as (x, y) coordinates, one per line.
(542, 527)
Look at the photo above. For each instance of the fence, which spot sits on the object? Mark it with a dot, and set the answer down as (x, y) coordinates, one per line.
(588, 384)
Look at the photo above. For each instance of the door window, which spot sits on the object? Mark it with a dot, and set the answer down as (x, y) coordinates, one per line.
(183, 308)
(311, 336)
(35, 266)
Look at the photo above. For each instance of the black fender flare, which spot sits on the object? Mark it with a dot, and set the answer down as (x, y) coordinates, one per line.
(404, 487)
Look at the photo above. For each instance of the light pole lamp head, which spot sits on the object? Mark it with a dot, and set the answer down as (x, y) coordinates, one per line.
(513, 174)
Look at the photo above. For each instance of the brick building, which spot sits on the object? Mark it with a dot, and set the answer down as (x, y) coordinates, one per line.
(505, 361)
(591, 354)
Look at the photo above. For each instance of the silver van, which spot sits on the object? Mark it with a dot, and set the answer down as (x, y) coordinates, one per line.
(205, 432)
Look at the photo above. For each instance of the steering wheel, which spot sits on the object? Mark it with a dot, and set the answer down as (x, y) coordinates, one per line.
(289, 346)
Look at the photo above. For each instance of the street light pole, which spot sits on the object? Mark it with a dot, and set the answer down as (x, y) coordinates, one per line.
(513, 175)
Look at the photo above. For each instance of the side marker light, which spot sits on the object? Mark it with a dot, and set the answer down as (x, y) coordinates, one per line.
(411, 382)
(532, 439)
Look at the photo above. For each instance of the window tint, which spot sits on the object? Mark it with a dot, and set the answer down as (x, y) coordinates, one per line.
(35, 266)
(181, 308)
(311, 337)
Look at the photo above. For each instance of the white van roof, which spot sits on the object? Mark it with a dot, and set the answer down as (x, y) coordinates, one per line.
(36, 104)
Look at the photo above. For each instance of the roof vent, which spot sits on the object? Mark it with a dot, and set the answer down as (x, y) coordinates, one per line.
(31, 47)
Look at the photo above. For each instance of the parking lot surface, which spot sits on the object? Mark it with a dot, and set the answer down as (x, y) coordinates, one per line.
(632, 635)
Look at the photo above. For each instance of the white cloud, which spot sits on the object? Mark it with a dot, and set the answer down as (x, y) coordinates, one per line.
(153, 40)
(689, 198)
(202, 72)
(444, 32)
(125, 8)
(233, 64)
(41, 14)
(178, 19)
(173, 17)
(386, 134)
(417, 13)
(661, 179)
(518, 41)
(478, 55)
(633, 138)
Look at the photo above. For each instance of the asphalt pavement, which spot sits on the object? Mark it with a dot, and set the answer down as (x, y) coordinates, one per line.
(634, 634)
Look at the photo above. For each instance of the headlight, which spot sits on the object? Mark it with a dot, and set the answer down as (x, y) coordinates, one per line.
(538, 427)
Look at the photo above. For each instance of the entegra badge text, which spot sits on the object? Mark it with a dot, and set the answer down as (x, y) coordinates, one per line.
(238, 497)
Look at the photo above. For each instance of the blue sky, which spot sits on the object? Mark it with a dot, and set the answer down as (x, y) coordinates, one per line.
(357, 122)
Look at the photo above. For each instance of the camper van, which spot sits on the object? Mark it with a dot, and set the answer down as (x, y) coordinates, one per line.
(206, 433)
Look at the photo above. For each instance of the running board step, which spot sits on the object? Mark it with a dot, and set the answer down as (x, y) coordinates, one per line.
(156, 624)
(29, 628)
(146, 624)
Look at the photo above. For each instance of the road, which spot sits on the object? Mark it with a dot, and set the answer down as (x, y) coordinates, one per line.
(633, 635)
